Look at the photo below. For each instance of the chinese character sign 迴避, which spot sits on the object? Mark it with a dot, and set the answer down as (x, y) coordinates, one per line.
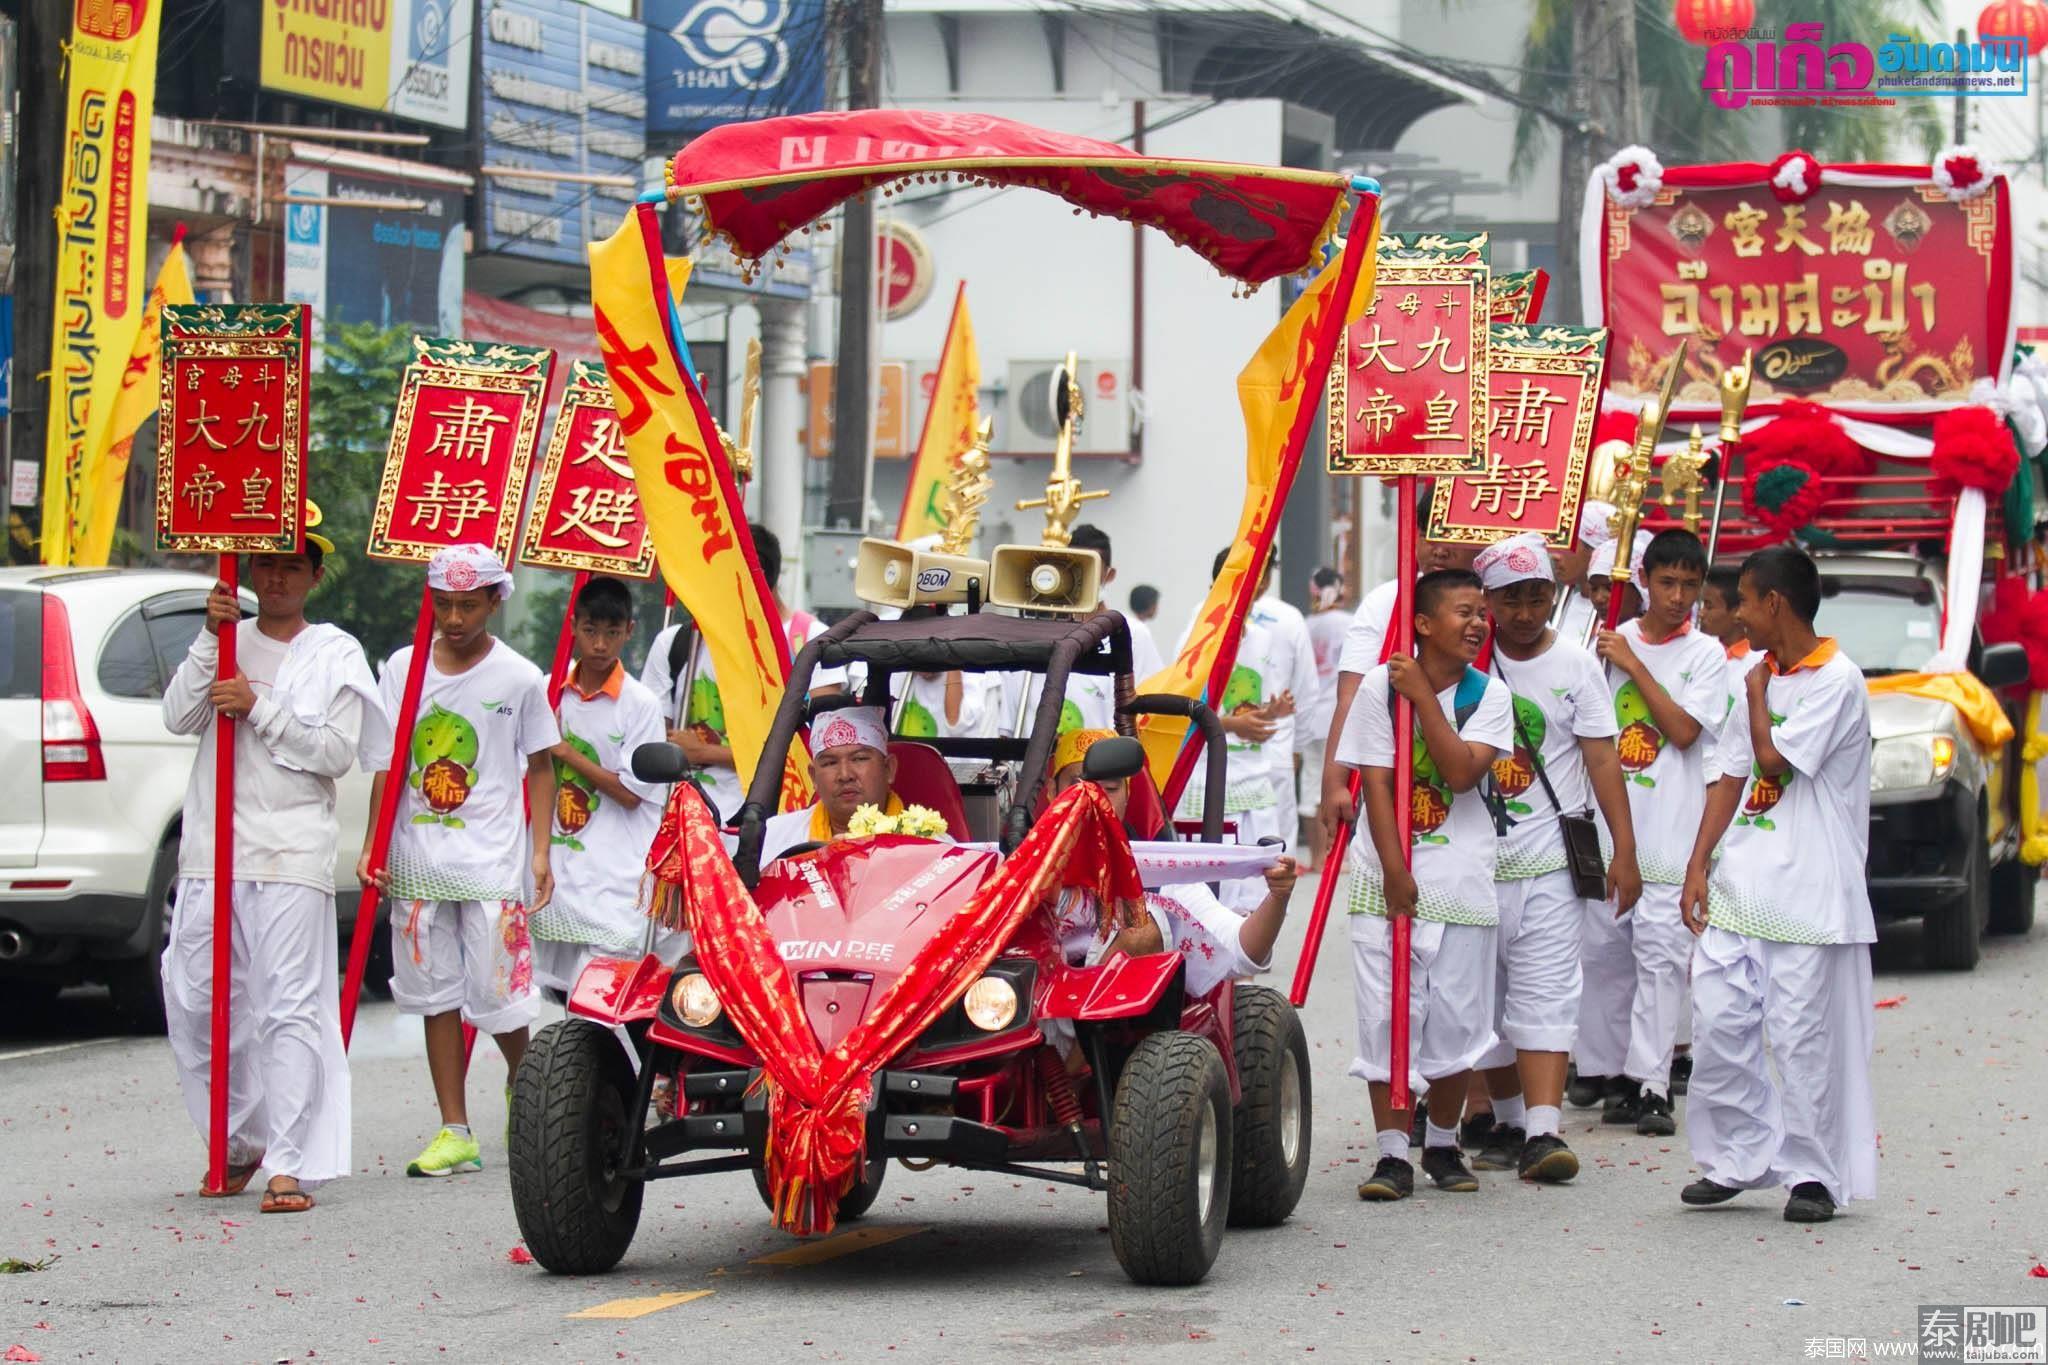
(1867, 295)
(1545, 393)
(1408, 393)
(586, 506)
(231, 428)
(462, 445)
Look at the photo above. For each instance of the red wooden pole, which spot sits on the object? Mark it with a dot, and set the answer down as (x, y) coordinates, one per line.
(387, 812)
(1326, 893)
(223, 905)
(558, 672)
(1402, 630)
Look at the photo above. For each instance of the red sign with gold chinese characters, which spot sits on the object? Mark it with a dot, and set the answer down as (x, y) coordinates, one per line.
(1408, 395)
(1545, 384)
(231, 428)
(1517, 295)
(461, 448)
(586, 506)
(1881, 293)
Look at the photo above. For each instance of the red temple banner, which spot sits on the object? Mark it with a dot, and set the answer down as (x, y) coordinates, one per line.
(231, 428)
(461, 448)
(1409, 393)
(1545, 394)
(1876, 292)
(1517, 296)
(586, 507)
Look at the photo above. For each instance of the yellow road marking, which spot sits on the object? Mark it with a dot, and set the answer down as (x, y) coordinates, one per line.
(640, 1308)
(831, 1248)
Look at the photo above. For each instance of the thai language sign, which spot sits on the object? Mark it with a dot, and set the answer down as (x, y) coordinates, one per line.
(405, 57)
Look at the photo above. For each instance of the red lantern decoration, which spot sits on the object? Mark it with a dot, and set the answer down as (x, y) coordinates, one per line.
(2015, 19)
(1705, 22)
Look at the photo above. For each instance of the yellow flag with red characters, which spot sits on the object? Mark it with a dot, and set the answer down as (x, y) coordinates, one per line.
(694, 513)
(949, 424)
(105, 470)
(1279, 391)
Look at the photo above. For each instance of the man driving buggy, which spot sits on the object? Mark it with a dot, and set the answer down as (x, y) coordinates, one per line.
(851, 767)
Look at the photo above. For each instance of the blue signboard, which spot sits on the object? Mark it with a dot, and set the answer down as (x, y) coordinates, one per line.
(713, 61)
(564, 91)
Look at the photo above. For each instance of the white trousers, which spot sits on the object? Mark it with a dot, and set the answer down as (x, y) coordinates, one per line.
(1308, 783)
(1286, 804)
(288, 1088)
(1811, 1007)
(1450, 998)
(472, 956)
(1538, 978)
(1607, 957)
(1635, 971)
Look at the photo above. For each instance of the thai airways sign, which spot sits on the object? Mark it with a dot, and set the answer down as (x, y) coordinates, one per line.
(718, 61)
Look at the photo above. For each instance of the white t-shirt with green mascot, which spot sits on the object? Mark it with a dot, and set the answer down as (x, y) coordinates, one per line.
(1255, 679)
(462, 833)
(1666, 784)
(1560, 698)
(599, 848)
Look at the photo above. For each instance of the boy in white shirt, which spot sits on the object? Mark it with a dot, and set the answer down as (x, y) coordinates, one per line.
(463, 851)
(1294, 662)
(305, 707)
(1561, 761)
(1328, 623)
(1463, 721)
(1668, 680)
(1784, 921)
(605, 817)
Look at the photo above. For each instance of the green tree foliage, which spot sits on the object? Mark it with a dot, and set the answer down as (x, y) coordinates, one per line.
(355, 391)
(1684, 127)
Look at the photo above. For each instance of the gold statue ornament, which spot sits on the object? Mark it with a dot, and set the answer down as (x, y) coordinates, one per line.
(1735, 399)
(966, 490)
(1632, 478)
(1063, 495)
(1681, 479)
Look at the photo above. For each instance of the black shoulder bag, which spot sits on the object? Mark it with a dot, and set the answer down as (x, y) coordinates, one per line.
(1582, 856)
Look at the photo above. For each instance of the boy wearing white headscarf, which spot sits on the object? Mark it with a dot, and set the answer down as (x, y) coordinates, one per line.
(463, 851)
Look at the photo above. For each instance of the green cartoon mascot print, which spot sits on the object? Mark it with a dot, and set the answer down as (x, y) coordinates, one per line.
(1244, 692)
(917, 721)
(1514, 773)
(1764, 792)
(1070, 717)
(576, 798)
(1429, 805)
(706, 712)
(1640, 741)
(444, 752)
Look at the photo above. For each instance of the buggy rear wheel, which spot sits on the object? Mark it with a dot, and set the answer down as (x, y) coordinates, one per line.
(1170, 1160)
(1271, 1139)
(572, 1104)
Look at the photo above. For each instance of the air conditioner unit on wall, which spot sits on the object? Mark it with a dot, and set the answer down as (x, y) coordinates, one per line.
(1028, 425)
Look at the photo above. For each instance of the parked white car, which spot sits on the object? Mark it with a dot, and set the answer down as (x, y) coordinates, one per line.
(89, 819)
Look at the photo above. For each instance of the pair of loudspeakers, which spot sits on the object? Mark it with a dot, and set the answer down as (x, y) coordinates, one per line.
(1036, 578)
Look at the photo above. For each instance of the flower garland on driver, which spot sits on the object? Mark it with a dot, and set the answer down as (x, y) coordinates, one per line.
(919, 822)
(820, 831)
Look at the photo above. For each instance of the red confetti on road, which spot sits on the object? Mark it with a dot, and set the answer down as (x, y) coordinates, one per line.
(1891, 1002)
(519, 1255)
(20, 1353)
(2039, 1272)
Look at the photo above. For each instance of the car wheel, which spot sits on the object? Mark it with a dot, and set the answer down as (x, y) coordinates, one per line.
(572, 1102)
(1952, 937)
(136, 984)
(2013, 883)
(853, 1203)
(1270, 1141)
(1170, 1160)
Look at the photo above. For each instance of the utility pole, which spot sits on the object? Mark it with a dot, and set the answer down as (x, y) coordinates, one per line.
(1962, 135)
(853, 424)
(1608, 107)
(39, 178)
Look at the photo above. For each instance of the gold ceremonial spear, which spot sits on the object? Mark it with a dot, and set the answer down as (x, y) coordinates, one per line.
(1734, 400)
(1630, 483)
(1063, 495)
(740, 453)
(967, 488)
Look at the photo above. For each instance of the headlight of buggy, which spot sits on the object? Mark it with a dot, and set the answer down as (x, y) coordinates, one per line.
(693, 999)
(991, 1004)
(1911, 761)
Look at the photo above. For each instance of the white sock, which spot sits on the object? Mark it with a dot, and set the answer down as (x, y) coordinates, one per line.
(1394, 1143)
(1543, 1120)
(459, 1129)
(1510, 1113)
(1434, 1136)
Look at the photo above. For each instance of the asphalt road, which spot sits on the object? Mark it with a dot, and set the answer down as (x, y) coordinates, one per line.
(97, 1163)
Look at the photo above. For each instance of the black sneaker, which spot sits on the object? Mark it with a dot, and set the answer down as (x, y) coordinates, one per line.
(1393, 1178)
(1681, 1073)
(1417, 1123)
(1501, 1150)
(1476, 1131)
(1586, 1091)
(1547, 1160)
(1624, 1102)
(1810, 1203)
(1653, 1118)
(1446, 1166)
(1703, 1192)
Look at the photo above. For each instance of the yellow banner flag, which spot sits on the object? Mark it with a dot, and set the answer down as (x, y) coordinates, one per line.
(96, 497)
(102, 244)
(694, 513)
(1279, 392)
(949, 423)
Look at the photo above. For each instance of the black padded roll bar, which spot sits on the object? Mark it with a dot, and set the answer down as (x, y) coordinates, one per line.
(1216, 783)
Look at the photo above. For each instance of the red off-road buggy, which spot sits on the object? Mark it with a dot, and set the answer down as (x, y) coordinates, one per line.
(1193, 1112)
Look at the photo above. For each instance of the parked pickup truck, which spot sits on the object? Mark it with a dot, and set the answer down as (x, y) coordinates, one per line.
(1944, 811)
(92, 785)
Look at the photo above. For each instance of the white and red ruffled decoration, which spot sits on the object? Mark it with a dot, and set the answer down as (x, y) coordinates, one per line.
(1632, 176)
(1794, 177)
(1963, 173)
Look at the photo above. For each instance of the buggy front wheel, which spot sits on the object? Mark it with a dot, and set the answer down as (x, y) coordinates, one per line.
(1170, 1160)
(572, 1102)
